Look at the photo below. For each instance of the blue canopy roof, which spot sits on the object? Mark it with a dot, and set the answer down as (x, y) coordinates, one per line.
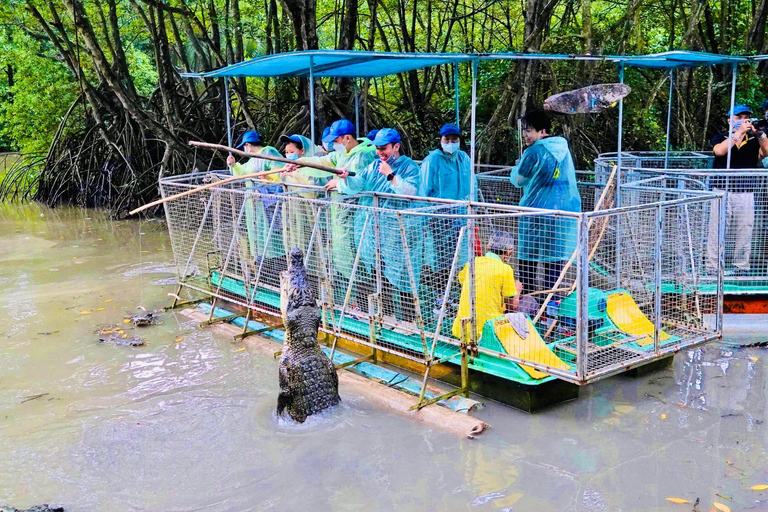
(359, 64)
(678, 58)
(335, 63)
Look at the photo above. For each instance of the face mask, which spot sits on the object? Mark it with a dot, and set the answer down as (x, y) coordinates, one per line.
(736, 124)
(766, 115)
(450, 147)
(339, 148)
(390, 160)
(292, 156)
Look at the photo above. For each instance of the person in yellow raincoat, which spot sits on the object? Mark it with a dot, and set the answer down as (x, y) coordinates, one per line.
(300, 218)
(262, 208)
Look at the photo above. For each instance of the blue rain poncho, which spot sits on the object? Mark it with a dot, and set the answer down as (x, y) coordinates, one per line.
(260, 210)
(548, 179)
(392, 250)
(444, 176)
(342, 219)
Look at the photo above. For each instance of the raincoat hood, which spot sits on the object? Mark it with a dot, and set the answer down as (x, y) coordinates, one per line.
(556, 145)
(309, 148)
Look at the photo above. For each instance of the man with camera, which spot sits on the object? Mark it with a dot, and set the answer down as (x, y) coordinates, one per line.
(748, 146)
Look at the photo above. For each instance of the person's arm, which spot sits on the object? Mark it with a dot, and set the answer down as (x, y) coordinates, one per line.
(524, 169)
(510, 290)
(406, 181)
(353, 184)
(425, 181)
(762, 138)
(721, 148)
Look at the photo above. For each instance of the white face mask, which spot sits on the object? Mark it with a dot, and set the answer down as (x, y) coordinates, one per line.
(450, 147)
(339, 148)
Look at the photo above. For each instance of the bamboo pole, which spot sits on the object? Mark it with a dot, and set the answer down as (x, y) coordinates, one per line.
(598, 206)
(255, 175)
(298, 163)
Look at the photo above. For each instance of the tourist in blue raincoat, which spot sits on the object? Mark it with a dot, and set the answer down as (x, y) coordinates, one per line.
(547, 176)
(391, 173)
(445, 173)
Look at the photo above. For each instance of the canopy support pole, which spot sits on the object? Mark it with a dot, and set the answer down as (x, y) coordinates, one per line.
(357, 111)
(228, 112)
(311, 100)
(617, 248)
(456, 90)
(472, 184)
(669, 116)
(730, 117)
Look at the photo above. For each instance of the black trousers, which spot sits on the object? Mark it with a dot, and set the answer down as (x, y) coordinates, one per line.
(528, 271)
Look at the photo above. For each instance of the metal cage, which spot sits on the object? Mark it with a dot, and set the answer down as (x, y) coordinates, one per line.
(429, 280)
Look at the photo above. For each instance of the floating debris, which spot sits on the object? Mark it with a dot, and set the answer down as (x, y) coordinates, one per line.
(32, 397)
(119, 337)
(144, 319)
(36, 508)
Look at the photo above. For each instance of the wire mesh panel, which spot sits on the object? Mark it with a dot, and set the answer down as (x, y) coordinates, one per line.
(527, 293)
(643, 296)
(746, 215)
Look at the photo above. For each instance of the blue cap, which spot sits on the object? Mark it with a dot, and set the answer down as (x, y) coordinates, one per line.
(449, 129)
(739, 109)
(386, 136)
(325, 132)
(250, 137)
(764, 106)
(371, 135)
(339, 128)
(292, 139)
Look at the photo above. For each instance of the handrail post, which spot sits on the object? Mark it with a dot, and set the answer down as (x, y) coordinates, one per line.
(617, 202)
(730, 117)
(582, 302)
(311, 100)
(669, 117)
(659, 235)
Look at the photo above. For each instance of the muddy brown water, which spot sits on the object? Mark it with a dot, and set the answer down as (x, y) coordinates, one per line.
(186, 422)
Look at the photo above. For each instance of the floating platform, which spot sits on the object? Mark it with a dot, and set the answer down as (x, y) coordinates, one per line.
(623, 334)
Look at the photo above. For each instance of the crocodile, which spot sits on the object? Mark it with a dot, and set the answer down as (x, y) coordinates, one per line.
(308, 380)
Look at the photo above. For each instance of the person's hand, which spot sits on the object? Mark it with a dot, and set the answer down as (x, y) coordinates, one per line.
(211, 178)
(384, 168)
(343, 173)
(744, 127)
(231, 161)
(290, 168)
(331, 185)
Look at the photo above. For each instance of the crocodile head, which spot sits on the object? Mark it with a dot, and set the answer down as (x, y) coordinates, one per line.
(295, 289)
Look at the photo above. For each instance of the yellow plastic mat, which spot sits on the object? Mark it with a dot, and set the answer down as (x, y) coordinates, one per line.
(532, 348)
(624, 312)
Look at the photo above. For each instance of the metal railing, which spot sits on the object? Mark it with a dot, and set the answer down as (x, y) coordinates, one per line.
(430, 280)
(746, 211)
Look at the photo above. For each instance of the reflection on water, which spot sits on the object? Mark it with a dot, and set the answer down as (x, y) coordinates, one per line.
(187, 422)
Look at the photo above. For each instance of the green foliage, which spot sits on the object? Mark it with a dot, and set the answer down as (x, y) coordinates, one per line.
(143, 71)
(43, 90)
